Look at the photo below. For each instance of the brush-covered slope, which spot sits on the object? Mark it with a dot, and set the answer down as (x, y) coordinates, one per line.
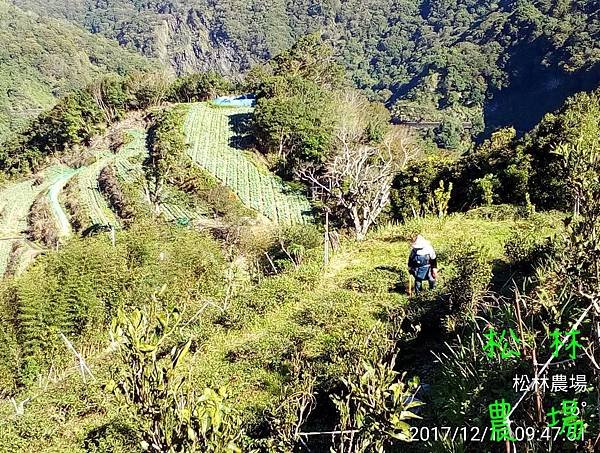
(330, 316)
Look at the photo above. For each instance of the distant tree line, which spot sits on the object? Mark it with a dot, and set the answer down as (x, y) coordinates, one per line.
(506, 169)
(437, 61)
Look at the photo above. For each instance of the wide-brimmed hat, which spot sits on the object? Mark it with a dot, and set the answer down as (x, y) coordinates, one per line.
(419, 242)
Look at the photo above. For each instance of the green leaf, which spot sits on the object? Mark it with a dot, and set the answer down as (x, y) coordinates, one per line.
(162, 321)
(146, 348)
(181, 354)
(110, 386)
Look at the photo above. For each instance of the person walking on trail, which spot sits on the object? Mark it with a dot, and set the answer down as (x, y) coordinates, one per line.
(422, 263)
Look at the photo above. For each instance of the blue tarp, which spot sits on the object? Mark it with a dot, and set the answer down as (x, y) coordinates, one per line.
(245, 100)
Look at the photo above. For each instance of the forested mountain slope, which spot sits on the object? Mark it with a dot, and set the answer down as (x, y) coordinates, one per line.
(432, 60)
(42, 59)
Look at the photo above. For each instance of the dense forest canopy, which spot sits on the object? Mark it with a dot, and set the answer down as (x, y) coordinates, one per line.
(458, 60)
(42, 59)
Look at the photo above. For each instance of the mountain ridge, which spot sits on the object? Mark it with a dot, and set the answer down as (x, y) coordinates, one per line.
(389, 47)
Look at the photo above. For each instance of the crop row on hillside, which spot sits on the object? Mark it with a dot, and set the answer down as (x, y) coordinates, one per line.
(96, 206)
(210, 132)
(175, 212)
(15, 202)
(16, 199)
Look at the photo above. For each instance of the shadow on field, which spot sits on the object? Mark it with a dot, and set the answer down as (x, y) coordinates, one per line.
(241, 125)
(401, 285)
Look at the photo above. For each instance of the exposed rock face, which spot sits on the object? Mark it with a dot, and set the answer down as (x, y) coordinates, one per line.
(190, 45)
(478, 49)
(189, 35)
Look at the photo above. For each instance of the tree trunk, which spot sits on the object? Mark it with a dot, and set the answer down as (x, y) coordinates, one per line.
(280, 151)
(358, 228)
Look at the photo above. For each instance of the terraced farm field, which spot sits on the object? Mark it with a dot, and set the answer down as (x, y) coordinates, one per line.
(210, 132)
(16, 199)
(15, 202)
(95, 205)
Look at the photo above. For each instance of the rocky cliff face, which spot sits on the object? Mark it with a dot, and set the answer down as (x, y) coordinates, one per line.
(189, 35)
(188, 44)
(481, 50)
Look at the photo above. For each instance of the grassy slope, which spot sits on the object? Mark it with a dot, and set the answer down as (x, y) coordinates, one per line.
(42, 58)
(386, 248)
(306, 309)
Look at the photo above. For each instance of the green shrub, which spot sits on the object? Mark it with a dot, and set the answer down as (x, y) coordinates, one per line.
(441, 198)
(10, 360)
(224, 203)
(69, 198)
(487, 186)
(499, 212)
(166, 145)
(472, 274)
(111, 189)
(76, 290)
(198, 87)
(116, 436)
(274, 291)
(293, 244)
(376, 407)
(10, 351)
(152, 386)
(41, 223)
(377, 281)
(468, 380)
(270, 351)
(414, 187)
(526, 250)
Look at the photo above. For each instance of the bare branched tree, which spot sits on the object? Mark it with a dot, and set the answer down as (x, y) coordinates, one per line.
(358, 175)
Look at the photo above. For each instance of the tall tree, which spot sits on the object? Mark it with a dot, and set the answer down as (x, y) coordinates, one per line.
(295, 121)
(166, 144)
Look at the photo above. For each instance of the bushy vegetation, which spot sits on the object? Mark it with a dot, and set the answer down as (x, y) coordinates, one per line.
(173, 416)
(75, 120)
(166, 151)
(82, 286)
(504, 169)
(202, 86)
(332, 138)
(196, 328)
(111, 189)
(42, 226)
(255, 338)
